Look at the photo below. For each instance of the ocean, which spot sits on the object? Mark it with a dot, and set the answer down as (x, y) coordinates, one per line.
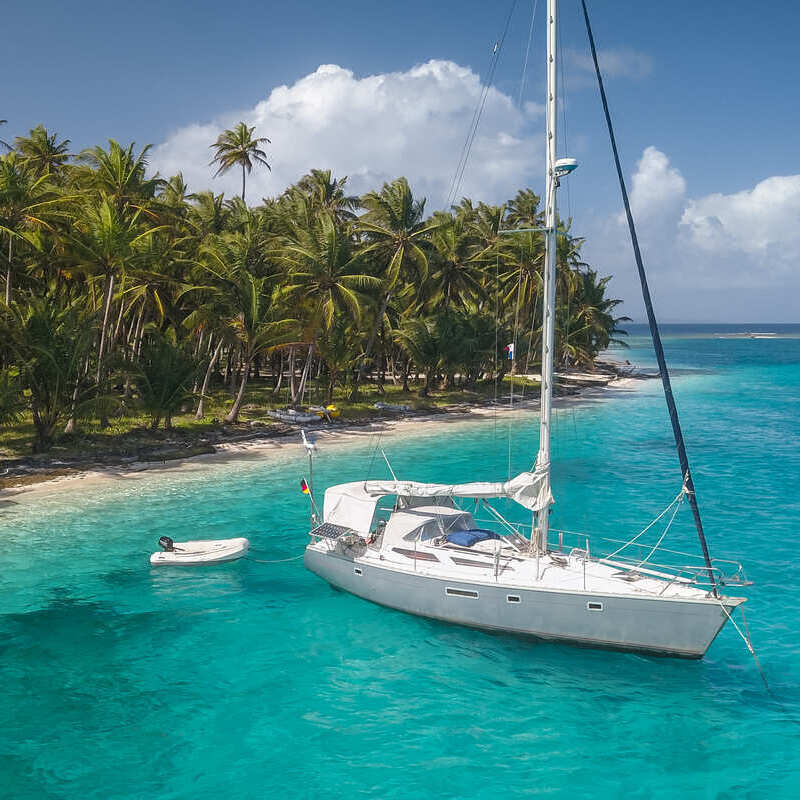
(258, 680)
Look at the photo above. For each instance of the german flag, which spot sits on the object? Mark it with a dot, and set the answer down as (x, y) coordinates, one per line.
(304, 486)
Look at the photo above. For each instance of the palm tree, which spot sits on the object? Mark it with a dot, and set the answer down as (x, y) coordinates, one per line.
(3, 141)
(394, 227)
(104, 242)
(238, 147)
(119, 174)
(418, 338)
(245, 302)
(319, 191)
(324, 272)
(456, 276)
(49, 342)
(23, 198)
(42, 152)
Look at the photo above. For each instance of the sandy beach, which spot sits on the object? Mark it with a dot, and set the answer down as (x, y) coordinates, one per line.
(270, 444)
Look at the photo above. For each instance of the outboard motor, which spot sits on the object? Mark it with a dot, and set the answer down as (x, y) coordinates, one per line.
(165, 543)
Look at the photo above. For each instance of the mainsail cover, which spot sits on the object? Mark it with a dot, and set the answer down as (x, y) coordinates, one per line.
(529, 489)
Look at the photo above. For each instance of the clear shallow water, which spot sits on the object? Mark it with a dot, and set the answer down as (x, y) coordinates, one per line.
(250, 680)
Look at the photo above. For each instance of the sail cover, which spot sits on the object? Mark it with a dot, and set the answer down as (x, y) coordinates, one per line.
(529, 489)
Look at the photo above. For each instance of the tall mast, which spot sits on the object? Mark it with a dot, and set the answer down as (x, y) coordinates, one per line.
(548, 329)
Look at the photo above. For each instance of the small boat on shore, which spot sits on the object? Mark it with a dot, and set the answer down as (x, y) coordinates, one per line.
(188, 554)
(293, 417)
(380, 406)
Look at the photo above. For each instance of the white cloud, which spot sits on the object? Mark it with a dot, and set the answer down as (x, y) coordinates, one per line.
(657, 189)
(762, 223)
(719, 256)
(712, 256)
(373, 129)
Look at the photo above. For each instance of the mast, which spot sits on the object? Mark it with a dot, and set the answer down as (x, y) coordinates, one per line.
(548, 321)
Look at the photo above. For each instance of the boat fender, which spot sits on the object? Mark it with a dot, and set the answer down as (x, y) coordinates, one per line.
(165, 543)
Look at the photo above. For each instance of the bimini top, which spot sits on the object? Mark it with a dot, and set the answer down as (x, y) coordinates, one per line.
(353, 504)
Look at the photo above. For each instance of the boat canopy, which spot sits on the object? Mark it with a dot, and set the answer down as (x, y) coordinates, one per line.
(353, 504)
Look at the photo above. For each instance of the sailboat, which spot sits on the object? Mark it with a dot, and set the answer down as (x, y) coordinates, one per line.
(443, 551)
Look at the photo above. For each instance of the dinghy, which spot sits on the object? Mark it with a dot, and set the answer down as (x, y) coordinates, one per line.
(293, 417)
(187, 554)
(390, 407)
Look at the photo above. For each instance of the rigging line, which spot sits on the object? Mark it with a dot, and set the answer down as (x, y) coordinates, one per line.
(496, 335)
(481, 105)
(644, 530)
(663, 534)
(513, 359)
(471, 124)
(677, 432)
(524, 78)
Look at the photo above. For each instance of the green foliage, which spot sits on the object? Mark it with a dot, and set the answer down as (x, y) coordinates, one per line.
(49, 343)
(163, 377)
(11, 402)
(125, 294)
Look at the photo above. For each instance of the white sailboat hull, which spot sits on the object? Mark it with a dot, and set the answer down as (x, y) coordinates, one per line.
(665, 626)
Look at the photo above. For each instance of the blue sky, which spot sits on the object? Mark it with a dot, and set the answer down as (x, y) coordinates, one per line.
(710, 88)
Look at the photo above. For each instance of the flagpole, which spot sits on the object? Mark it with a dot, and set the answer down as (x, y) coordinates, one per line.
(310, 448)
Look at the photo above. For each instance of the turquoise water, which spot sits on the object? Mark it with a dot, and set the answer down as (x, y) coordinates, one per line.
(252, 680)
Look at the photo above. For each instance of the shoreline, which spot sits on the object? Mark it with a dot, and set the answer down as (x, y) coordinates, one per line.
(275, 439)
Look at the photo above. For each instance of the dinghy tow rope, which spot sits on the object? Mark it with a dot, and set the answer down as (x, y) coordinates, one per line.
(272, 560)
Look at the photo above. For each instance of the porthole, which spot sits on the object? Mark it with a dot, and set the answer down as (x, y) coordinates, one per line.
(461, 593)
(513, 598)
(594, 606)
(357, 570)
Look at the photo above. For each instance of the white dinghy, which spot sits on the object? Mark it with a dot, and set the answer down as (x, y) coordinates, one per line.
(188, 554)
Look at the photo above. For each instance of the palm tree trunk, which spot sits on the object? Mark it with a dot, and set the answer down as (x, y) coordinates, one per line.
(106, 313)
(233, 414)
(243, 178)
(101, 351)
(279, 379)
(8, 274)
(137, 338)
(304, 377)
(207, 379)
(291, 374)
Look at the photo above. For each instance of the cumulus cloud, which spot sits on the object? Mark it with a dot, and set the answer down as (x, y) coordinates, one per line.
(762, 223)
(711, 256)
(716, 256)
(374, 129)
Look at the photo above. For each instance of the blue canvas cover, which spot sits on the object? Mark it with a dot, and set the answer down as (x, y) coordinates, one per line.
(469, 538)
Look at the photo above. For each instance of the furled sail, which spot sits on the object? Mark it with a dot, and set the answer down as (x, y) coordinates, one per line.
(529, 489)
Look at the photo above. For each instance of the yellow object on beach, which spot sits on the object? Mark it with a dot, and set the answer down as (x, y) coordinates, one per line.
(333, 411)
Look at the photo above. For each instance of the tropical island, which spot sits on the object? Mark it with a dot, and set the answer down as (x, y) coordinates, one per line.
(135, 312)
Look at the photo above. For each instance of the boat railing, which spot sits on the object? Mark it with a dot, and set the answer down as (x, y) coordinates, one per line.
(633, 558)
